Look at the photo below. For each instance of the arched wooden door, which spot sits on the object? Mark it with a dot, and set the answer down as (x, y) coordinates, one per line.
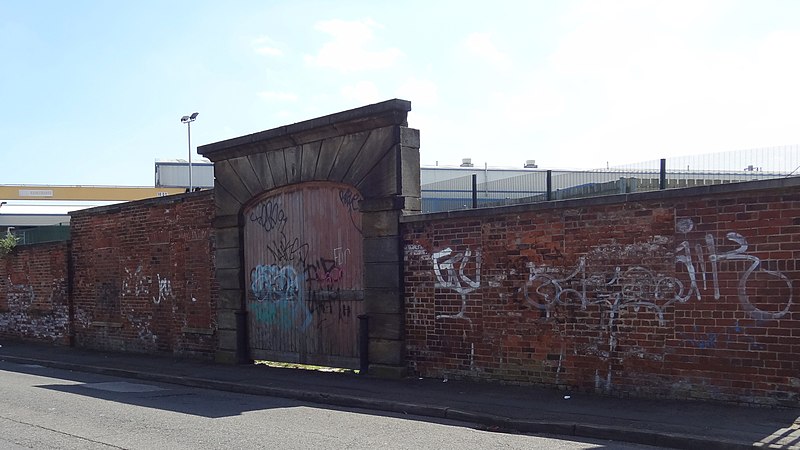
(304, 274)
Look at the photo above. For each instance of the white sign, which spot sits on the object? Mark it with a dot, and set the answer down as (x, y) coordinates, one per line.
(35, 192)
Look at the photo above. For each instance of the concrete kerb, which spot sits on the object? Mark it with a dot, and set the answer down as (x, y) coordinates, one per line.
(490, 421)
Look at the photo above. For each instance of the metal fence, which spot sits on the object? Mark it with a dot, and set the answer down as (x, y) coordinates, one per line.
(38, 235)
(490, 187)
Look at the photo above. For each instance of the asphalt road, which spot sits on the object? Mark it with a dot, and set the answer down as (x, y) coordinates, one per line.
(45, 408)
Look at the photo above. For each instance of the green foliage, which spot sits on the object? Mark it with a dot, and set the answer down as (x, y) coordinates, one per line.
(7, 244)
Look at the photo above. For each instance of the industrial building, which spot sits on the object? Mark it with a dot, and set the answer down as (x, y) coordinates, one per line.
(174, 173)
(446, 188)
(453, 188)
(24, 208)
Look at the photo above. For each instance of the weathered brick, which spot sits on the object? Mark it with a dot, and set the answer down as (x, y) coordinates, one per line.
(600, 296)
(153, 286)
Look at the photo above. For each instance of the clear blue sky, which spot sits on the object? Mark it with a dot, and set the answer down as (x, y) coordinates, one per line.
(92, 91)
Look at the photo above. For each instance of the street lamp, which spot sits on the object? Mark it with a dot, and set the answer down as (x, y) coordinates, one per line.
(188, 121)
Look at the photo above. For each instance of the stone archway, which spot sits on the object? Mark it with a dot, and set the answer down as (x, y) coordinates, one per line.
(369, 149)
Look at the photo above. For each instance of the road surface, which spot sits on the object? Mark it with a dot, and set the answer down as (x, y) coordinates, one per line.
(45, 408)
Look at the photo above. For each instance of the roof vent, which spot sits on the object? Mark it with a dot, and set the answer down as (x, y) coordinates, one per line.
(530, 164)
(466, 162)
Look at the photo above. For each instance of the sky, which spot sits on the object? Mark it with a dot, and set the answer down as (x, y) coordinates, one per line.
(91, 92)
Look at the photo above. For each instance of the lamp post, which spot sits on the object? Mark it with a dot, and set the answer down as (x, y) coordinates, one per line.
(188, 121)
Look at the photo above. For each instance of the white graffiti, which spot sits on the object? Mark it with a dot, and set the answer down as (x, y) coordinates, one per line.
(164, 289)
(639, 287)
(715, 259)
(135, 283)
(449, 270)
(340, 255)
(415, 250)
(22, 293)
(142, 327)
(635, 287)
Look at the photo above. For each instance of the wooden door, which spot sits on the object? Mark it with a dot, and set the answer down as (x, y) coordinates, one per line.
(304, 274)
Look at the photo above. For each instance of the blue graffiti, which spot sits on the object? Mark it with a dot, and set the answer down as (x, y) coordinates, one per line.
(282, 314)
(736, 333)
(273, 283)
(278, 297)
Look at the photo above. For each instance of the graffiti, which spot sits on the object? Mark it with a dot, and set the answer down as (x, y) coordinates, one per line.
(732, 334)
(272, 217)
(715, 259)
(415, 250)
(330, 314)
(325, 276)
(340, 255)
(301, 297)
(341, 309)
(164, 289)
(636, 287)
(135, 283)
(350, 200)
(288, 251)
(269, 215)
(274, 283)
(324, 273)
(21, 286)
(284, 314)
(614, 280)
(639, 287)
(22, 318)
(278, 295)
(449, 270)
(145, 335)
(20, 294)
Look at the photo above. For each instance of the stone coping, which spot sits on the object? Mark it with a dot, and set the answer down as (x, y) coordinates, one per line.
(390, 112)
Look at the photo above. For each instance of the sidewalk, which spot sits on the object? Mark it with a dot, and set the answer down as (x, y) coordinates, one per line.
(503, 408)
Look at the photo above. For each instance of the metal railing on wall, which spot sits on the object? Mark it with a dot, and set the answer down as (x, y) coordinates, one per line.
(38, 235)
(466, 192)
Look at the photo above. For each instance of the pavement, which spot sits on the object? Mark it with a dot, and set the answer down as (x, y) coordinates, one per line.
(491, 406)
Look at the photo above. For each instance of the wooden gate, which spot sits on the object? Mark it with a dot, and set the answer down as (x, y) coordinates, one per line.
(304, 274)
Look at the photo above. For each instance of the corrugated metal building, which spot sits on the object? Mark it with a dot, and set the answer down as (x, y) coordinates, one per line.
(175, 173)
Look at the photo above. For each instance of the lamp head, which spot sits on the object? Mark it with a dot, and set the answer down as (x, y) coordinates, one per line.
(184, 119)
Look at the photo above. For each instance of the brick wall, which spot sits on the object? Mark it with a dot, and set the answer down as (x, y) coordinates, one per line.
(143, 276)
(682, 294)
(34, 303)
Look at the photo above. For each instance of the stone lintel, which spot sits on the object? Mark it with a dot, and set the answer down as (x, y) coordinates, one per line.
(390, 112)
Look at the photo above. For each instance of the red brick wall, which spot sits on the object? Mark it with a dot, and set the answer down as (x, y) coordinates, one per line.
(34, 303)
(681, 294)
(143, 276)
